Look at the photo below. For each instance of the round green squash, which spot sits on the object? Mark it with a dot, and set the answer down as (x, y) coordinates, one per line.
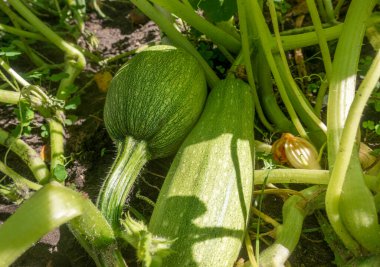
(156, 97)
(152, 103)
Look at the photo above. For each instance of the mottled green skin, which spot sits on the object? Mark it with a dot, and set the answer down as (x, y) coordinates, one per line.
(156, 97)
(204, 202)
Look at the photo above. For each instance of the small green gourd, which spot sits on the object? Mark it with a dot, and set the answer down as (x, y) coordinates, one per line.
(357, 207)
(152, 103)
(204, 203)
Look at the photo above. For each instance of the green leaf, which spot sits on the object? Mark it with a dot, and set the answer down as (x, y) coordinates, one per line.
(73, 103)
(377, 129)
(9, 53)
(70, 119)
(16, 132)
(60, 173)
(377, 106)
(70, 89)
(24, 113)
(103, 152)
(44, 131)
(369, 125)
(216, 10)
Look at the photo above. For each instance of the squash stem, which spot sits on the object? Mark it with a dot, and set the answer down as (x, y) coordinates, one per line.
(247, 62)
(16, 19)
(131, 157)
(293, 39)
(176, 37)
(341, 95)
(21, 33)
(339, 174)
(302, 106)
(9, 97)
(17, 178)
(294, 211)
(265, 39)
(13, 73)
(298, 176)
(27, 154)
(75, 60)
(187, 13)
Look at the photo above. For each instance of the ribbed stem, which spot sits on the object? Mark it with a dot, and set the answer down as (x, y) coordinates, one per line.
(341, 94)
(131, 157)
(294, 211)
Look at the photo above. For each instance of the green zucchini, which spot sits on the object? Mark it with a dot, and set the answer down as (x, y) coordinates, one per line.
(205, 200)
(152, 103)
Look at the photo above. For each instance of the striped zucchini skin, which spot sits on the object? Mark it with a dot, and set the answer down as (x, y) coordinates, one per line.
(205, 199)
(156, 97)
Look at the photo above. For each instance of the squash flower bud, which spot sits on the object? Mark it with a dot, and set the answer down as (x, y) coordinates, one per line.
(296, 152)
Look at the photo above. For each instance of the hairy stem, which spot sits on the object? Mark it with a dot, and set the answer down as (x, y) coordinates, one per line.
(131, 157)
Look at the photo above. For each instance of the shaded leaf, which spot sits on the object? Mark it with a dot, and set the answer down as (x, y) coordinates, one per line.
(216, 10)
(60, 173)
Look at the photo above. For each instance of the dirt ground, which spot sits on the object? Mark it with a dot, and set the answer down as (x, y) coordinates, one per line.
(87, 140)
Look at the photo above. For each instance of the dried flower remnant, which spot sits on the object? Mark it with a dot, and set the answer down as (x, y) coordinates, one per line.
(365, 156)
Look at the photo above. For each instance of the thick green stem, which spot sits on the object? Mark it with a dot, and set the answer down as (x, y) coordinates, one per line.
(343, 78)
(294, 211)
(131, 157)
(21, 33)
(73, 71)
(258, 21)
(16, 19)
(302, 107)
(185, 12)
(246, 53)
(267, 96)
(338, 7)
(297, 176)
(94, 233)
(290, 42)
(329, 10)
(50, 207)
(27, 154)
(341, 95)
(13, 73)
(322, 10)
(324, 50)
(9, 97)
(47, 209)
(17, 178)
(176, 37)
(36, 59)
(321, 37)
(57, 137)
(344, 153)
